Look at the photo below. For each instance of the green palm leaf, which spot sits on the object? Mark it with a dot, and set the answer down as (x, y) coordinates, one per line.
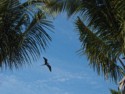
(103, 36)
(114, 91)
(23, 33)
(99, 52)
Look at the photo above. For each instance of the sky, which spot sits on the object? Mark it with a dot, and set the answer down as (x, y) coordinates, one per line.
(70, 74)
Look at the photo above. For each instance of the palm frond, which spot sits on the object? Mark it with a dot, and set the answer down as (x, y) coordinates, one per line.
(103, 36)
(70, 6)
(114, 91)
(23, 33)
(99, 52)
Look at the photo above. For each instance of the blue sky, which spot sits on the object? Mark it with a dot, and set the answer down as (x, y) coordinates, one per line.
(70, 74)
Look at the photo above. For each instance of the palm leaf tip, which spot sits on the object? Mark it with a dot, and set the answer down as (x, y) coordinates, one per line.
(114, 91)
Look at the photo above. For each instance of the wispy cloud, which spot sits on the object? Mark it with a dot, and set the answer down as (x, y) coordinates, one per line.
(64, 79)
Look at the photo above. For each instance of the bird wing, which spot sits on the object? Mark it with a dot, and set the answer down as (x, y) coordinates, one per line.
(45, 59)
(49, 67)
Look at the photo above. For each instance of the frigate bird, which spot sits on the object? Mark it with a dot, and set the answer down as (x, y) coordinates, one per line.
(47, 64)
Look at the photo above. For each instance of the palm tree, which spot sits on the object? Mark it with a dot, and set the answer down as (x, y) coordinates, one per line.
(101, 28)
(23, 32)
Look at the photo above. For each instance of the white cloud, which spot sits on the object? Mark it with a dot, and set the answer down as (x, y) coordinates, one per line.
(12, 85)
(37, 80)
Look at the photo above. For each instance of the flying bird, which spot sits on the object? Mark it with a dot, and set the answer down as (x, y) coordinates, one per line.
(47, 64)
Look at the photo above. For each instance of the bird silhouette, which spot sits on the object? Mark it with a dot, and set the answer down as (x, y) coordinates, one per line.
(47, 64)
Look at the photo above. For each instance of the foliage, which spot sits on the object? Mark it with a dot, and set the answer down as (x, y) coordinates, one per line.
(115, 92)
(23, 32)
(101, 28)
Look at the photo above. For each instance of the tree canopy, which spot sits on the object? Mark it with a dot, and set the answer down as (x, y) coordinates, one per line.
(100, 25)
(23, 32)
